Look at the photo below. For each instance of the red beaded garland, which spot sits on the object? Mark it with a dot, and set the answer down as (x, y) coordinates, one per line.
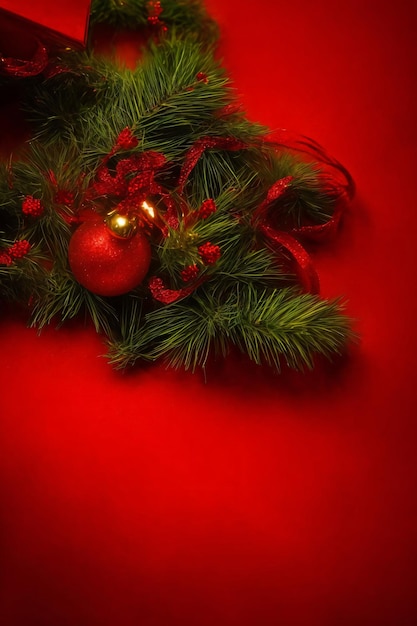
(105, 264)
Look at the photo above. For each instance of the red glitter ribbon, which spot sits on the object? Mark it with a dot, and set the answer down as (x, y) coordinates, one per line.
(278, 239)
(336, 181)
(305, 269)
(321, 232)
(168, 296)
(338, 184)
(199, 147)
(20, 68)
(276, 191)
(144, 167)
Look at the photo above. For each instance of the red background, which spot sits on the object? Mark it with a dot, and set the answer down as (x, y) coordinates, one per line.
(155, 498)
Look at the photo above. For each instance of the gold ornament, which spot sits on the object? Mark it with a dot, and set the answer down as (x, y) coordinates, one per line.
(122, 226)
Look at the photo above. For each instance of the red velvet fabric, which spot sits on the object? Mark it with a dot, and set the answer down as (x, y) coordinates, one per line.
(158, 498)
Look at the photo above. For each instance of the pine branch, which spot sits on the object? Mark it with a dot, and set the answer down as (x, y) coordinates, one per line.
(277, 325)
(240, 259)
(307, 199)
(269, 326)
(162, 101)
(54, 105)
(24, 279)
(249, 173)
(40, 175)
(178, 94)
(64, 298)
(230, 176)
(188, 16)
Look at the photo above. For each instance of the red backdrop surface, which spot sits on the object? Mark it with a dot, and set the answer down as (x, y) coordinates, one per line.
(155, 498)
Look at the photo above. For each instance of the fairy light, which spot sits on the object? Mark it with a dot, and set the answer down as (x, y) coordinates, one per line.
(148, 208)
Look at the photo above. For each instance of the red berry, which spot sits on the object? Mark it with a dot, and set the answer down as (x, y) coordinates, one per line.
(190, 272)
(207, 208)
(19, 249)
(32, 206)
(210, 253)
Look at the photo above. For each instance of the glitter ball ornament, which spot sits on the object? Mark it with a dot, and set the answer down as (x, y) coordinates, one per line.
(106, 262)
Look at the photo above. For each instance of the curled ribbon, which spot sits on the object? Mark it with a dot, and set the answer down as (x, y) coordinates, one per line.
(338, 184)
(168, 296)
(20, 68)
(335, 177)
(199, 147)
(280, 239)
(306, 271)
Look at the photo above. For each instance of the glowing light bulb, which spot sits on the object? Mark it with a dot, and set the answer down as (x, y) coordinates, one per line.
(148, 208)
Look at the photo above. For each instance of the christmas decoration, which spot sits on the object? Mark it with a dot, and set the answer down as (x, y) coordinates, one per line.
(148, 200)
(109, 258)
(122, 226)
(32, 206)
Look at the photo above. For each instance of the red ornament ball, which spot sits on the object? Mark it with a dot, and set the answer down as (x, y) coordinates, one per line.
(106, 264)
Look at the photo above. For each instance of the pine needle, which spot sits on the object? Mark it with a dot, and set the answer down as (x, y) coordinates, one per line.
(270, 326)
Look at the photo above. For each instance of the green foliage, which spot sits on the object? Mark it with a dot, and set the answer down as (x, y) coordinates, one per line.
(64, 297)
(308, 200)
(177, 94)
(240, 261)
(55, 105)
(187, 16)
(270, 326)
(162, 100)
(24, 280)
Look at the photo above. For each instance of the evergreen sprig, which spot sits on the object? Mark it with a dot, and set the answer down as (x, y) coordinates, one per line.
(63, 298)
(177, 95)
(270, 326)
(162, 100)
(187, 16)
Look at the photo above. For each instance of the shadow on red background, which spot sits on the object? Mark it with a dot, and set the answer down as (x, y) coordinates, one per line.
(158, 498)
